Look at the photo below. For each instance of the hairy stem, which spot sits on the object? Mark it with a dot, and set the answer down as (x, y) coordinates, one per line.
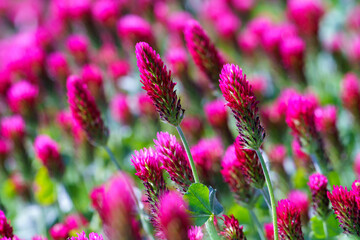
(210, 227)
(271, 193)
(187, 149)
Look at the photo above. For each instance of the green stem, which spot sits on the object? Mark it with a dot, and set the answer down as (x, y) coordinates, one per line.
(271, 193)
(325, 229)
(210, 227)
(266, 197)
(257, 224)
(187, 149)
(112, 157)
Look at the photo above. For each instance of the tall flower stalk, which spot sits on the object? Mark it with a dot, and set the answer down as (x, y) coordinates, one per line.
(238, 93)
(160, 87)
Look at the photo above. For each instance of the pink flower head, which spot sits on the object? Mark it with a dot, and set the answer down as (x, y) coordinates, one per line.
(47, 150)
(132, 29)
(116, 206)
(350, 93)
(92, 236)
(243, 6)
(195, 233)
(193, 127)
(353, 18)
(174, 160)
(178, 60)
(177, 21)
(173, 216)
(355, 188)
(58, 66)
(318, 187)
(250, 165)
(216, 114)
(306, 14)
(75, 221)
(22, 97)
(300, 116)
(78, 46)
(106, 12)
(347, 209)
(158, 84)
(353, 49)
(277, 154)
(227, 25)
(5, 148)
(207, 155)
(203, 51)
(39, 238)
(13, 127)
(148, 168)
(259, 25)
(301, 201)
(6, 229)
(299, 153)
(273, 36)
(292, 50)
(325, 119)
(120, 109)
(269, 231)
(238, 93)
(232, 175)
(92, 75)
(289, 221)
(146, 106)
(118, 69)
(357, 165)
(85, 111)
(259, 85)
(247, 42)
(59, 231)
(232, 229)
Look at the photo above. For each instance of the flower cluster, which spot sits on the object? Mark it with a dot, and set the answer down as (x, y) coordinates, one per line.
(232, 229)
(289, 221)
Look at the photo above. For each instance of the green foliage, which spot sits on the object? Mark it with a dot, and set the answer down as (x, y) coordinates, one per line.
(318, 231)
(202, 203)
(45, 193)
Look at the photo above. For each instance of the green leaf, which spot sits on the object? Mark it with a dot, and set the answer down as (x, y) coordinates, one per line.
(300, 178)
(334, 178)
(215, 205)
(199, 203)
(317, 228)
(45, 192)
(333, 226)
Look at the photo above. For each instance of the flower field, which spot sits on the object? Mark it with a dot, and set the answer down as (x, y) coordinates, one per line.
(179, 119)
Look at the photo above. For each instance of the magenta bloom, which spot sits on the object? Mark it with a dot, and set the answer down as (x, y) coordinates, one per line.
(173, 216)
(6, 229)
(195, 233)
(5, 148)
(292, 50)
(82, 236)
(193, 127)
(177, 59)
(59, 231)
(346, 206)
(301, 201)
(78, 46)
(92, 76)
(269, 231)
(85, 111)
(232, 229)
(306, 14)
(318, 187)
(203, 51)
(75, 221)
(58, 66)
(350, 94)
(158, 84)
(118, 69)
(39, 238)
(325, 119)
(232, 175)
(247, 42)
(289, 221)
(116, 206)
(106, 12)
(242, 101)
(47, 150)
(277, 154)
(146, 106)
(22, 97)
(132, 29)
(207, 155)
(357, 166)
(174, 160)
(250, 165)
(120, 109)
(13, 127)
(216, 113)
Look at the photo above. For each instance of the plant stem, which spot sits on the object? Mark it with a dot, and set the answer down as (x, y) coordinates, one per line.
(210, 227)
(112, 157)
(271, 193)
(325, 229)
(257, 224)
(187, 149)
(266, 197)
